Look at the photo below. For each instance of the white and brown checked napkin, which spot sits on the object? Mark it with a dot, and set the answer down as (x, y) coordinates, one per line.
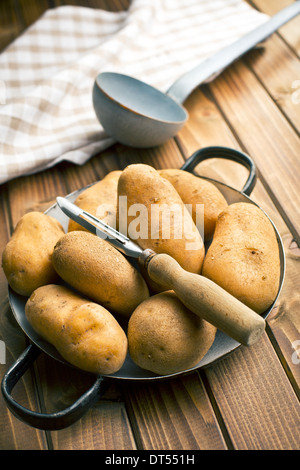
(47, 74)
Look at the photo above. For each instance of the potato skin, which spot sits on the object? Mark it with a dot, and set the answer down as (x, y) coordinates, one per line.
(142, 184)
(99, 271)
(26, 259)
(99, 200)
(244, 256)
(165, 337)
(83, 332)
(196, 190)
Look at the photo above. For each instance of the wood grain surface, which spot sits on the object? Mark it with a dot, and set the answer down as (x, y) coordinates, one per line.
(247, 401)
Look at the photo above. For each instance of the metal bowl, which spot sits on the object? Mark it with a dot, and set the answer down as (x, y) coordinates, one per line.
(222, 346)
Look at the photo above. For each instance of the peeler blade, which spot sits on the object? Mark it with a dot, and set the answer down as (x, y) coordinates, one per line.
(99, 228)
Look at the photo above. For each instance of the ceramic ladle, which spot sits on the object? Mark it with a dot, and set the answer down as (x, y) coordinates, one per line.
(138, 115)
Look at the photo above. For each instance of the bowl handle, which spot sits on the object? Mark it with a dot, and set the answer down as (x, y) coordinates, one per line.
(229, 154)
(44, 421)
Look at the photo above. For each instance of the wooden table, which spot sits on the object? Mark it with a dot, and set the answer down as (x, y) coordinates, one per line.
(249, 400)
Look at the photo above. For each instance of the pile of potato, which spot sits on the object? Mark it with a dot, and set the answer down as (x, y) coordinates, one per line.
(82, 315)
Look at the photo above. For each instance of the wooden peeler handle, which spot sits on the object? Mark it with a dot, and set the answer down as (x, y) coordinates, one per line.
(206, 299)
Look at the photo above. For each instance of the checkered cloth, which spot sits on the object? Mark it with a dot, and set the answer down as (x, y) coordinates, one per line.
(47, 74)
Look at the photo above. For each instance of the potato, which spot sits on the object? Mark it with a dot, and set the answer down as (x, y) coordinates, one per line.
(244, 256)
(26, 259)
(165, 337)
(156, 217)
(83, 332)
(99, 200)
(195, 190)
(99, 271)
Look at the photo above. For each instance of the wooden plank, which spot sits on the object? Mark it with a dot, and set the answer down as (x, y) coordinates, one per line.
(10, 26)
(277, 69)
(206, 127)
(284, 322)
(30, 10)
(203, 127)
(116, 158)
(163, 156)
(173, 415)
(257, 403)
(115, 5)
(35, 192)
(266, 135)
(104, 426)
(290, 31)
(16, 16)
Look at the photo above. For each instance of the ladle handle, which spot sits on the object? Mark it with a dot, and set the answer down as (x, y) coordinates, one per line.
(182, 88)
(206, 299)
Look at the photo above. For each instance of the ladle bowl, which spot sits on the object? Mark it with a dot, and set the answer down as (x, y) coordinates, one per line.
(138, 115)
(134, 113)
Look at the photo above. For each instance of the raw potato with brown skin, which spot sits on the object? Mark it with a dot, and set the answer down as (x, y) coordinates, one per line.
(83, 332)
(26, 259)
(143, 185)
(99, 271)
(244, 256)
(196, 190)
(165, 337)
(99, 200)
